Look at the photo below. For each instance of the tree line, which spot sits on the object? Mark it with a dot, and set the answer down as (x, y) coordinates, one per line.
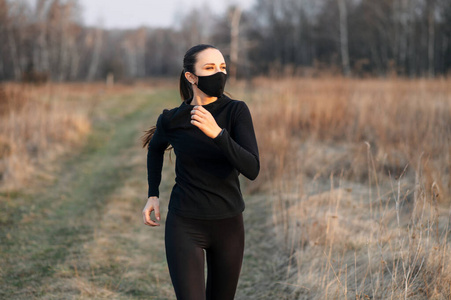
(412, 38)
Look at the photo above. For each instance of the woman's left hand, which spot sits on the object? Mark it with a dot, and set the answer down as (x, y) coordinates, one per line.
(203, 119)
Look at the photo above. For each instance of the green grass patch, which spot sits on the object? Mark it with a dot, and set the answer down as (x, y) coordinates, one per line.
(39, 230)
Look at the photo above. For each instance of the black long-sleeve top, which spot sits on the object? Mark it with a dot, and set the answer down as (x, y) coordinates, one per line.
(207, 169)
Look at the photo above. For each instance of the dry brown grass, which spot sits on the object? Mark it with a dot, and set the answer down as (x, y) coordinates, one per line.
(357, 170)
(360, 179)
(400, 119)
(39, 123)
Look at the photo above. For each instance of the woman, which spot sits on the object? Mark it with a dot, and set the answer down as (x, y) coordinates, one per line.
(213, 140)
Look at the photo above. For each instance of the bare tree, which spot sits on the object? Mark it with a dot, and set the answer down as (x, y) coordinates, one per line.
(133, 45)
(344, 37)
(431, 36)
(94, 41)
(40, 51)
(14, 13)
(283, 36)
(235, 17)
(3, 26)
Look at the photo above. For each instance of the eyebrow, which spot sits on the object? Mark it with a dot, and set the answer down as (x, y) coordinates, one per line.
(213, 64)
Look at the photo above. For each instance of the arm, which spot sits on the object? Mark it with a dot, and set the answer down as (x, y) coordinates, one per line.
(155, 155)
(242, 150)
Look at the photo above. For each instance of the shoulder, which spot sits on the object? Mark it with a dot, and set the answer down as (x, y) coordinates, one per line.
(168, 113)
(239, 109)
(165, 116)
(238, 112)
(237, 106)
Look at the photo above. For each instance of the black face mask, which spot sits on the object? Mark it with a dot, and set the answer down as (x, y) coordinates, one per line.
(212, 85)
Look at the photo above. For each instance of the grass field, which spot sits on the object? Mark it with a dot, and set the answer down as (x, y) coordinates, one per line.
(359, 172)
(352, 201)
(77, 232)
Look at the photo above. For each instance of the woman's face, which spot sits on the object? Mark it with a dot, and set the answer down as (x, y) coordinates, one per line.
(209, 62)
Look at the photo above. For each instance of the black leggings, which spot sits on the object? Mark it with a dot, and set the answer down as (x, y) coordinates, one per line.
(185, 241)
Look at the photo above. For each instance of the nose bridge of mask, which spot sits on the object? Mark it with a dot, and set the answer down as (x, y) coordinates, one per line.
(212, 85)
(198, 76)
(208, 78)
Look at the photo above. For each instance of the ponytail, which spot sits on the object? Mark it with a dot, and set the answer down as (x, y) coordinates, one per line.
(148, 136)
(186, 92)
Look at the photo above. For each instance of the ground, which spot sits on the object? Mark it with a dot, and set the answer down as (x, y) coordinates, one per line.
(77, 232)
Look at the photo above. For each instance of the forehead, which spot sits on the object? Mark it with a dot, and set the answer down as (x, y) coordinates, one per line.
(210, 55)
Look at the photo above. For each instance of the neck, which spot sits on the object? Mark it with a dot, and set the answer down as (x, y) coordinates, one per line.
(200, 98)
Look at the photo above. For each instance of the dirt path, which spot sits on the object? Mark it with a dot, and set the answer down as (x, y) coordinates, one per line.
(82, 236)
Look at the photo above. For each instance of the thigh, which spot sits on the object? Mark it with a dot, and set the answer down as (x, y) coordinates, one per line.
(224, 258)
(185, 258)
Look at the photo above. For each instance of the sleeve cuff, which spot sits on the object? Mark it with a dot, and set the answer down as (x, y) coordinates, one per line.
(153, 193)
(221, 139)
(220, 134)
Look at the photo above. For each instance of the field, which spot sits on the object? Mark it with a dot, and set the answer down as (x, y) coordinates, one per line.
(359, 173)
(352, 202)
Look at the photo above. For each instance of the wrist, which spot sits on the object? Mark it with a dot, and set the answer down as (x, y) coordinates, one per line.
(219, 133)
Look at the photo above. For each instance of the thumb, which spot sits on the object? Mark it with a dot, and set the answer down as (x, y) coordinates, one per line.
(157, 212)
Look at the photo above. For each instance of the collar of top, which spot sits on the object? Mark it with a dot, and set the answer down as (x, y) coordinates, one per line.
(221, 100)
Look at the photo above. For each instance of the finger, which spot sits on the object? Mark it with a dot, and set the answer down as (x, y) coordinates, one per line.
(199, 125)
(196, 117)
(195, 112)
(196, 123)
(152, 223)
(202, 109)
(203, 112)
(157, 212)
(147, 219)
(146, 215)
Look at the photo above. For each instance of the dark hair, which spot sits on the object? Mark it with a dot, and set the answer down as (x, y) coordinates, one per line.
(186, 91)
(189, 60)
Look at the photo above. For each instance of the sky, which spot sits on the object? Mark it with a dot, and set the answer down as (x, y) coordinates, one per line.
(155, 13)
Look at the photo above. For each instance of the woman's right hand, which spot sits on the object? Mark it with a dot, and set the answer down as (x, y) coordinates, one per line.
(153, 203)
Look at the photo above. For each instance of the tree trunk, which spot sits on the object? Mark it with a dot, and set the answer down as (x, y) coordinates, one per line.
(431, 37)
(344, 37)
(403, 36)
(13, 51)
(95, 54)
(42, 62)
(234, 40)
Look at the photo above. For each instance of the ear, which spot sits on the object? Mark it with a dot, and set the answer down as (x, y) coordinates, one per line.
(190, 77)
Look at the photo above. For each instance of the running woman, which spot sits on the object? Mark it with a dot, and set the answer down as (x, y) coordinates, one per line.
(214, 142)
